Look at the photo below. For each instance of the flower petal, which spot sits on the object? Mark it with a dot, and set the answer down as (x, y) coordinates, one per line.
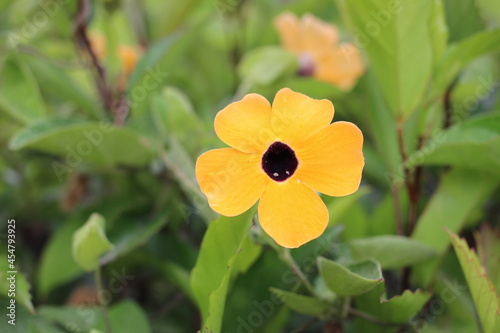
(296, 117)
(331, 161)
(231, 180)
(291, 213)
(341, 66)
(245, 125)
(317, 35)
(287, 25)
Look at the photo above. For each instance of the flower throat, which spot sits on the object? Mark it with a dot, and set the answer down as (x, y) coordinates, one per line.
(279, 161)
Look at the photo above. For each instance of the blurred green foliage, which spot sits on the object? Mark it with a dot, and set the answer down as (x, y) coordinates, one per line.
(79, 136)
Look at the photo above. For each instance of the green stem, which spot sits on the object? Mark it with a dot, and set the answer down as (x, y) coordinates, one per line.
(346, 305)
(286, 256)
(100, 290)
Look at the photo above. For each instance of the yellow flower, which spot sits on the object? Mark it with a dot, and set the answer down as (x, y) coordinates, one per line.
(281, 154)
(319, 53)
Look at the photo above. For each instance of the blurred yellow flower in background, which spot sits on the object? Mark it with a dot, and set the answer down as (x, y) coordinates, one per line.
(316, 44)
(128, 55)
(281, 154)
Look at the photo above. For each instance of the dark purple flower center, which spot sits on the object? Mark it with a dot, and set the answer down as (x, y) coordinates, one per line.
(279, 161)
(306, 65)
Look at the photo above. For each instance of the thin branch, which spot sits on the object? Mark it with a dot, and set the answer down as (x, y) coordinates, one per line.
(397, 210)
(288, 259)
(84, 44)
(100, 290)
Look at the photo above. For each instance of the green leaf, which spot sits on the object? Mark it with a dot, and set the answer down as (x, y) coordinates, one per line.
(70, 317)
(99, 143)
(396, 36)
(178, 161)
(221, 247)
(264, 65)
(350, 280)
(390, 251)
(135, 236)
(490, 11)
(90, 242)
(488, 248)
(57, 264)
(460, 55)
(398, 309)
(458, 195)
(127, 317)
(22, 286)
(179, 276)
(303, 304)
(174, 115)
(59, 84)
(462, 18)
(473, 144)
(337, 206)
(439, 30)
(19, 92)
(483, 292)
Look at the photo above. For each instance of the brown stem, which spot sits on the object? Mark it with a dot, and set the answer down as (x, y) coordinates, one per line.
(447, 106)
(412, 185)
(397, 210)
(83, 43)
(415, 192)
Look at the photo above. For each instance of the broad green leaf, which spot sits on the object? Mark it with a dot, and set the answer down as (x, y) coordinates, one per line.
(350, 280)
(383, 127)
(221, 247)
(21, 291)
(148, 65)
(127, 317)
(90, 242)
(70, 317)
(399, 309)
(490, 11)
(390, 251)
(338, 206)
(179, 276)
(439, 30)
(99, 143)
(303, 304)
(249, 294)
(59, 84)
(149, 76)
(174, 115)
(19, 92)
(483, 292)
(458, 195)
(395, 36)
(167, 16)
(473, 144)
(266, 64)
(178, 161)
(460, 55)
(462, 18)
(57, 264)
(135, 236)
(488, 249)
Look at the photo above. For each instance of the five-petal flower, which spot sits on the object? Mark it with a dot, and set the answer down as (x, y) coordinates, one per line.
(281, 154)
(316, 44)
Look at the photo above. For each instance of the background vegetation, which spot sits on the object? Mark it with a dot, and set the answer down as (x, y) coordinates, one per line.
(86, 132)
